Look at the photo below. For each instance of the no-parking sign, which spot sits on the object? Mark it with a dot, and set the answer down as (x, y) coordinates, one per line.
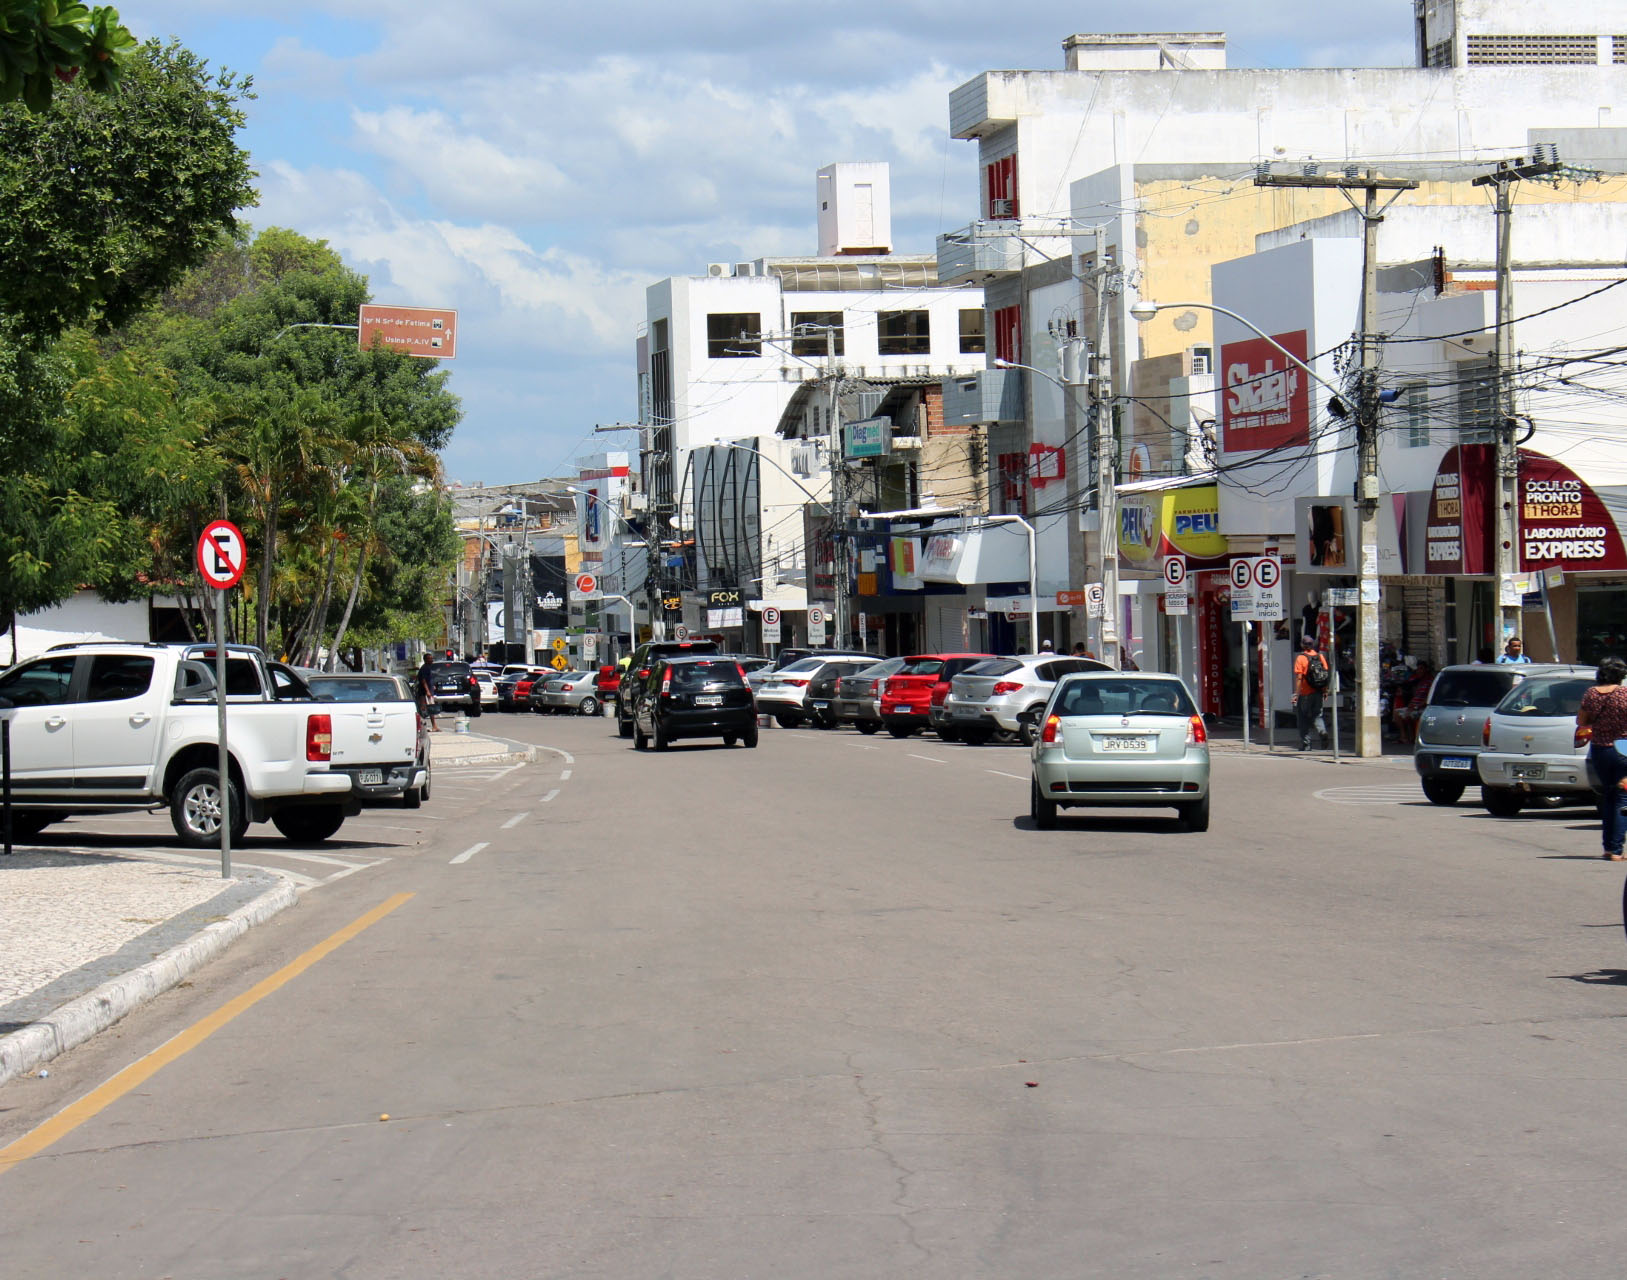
(221, 554)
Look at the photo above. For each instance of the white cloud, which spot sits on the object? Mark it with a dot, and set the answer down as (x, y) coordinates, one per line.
(466, 170)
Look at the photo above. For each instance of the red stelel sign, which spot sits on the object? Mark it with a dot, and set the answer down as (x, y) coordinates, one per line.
(222, 554)
(413, 331)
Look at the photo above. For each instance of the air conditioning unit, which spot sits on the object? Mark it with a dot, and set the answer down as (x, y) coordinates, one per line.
(744, 269)
(906, 442)
(717, 269)
(1000, 208)
(638, 501)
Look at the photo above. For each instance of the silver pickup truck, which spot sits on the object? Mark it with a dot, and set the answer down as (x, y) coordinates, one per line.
(109, 727)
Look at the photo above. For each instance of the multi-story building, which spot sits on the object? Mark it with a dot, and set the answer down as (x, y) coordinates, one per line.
(1129, 173)
(746, 375)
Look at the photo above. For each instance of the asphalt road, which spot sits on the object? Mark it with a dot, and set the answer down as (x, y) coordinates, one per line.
(830, 1008)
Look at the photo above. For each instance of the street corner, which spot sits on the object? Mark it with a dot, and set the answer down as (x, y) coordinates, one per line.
(86, 938)
(451, 748)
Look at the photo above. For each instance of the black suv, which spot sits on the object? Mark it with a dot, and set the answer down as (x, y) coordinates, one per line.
(690, 697)
(454, 685)
(638, 670)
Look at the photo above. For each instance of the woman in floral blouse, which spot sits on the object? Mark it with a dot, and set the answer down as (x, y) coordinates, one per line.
(1604, 714)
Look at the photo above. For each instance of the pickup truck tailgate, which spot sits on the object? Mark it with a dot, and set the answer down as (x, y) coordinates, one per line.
(366, 733)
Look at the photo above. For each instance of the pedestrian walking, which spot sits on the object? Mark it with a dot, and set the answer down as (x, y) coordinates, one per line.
(424, 687)
(1310, 682)
(1513, 651)
(1603, 714)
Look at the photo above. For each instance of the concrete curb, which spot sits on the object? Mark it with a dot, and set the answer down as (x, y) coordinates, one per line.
(517, 753)
(78, 1020)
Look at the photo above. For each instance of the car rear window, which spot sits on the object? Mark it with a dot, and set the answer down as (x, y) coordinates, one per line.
(1480, 687)
(993, 667)
(1123, 697)
(921, 667)
(1554, 696)
(356, 690)
(442, 670)
(687, 676)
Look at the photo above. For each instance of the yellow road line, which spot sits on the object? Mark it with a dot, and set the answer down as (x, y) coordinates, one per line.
(143, 1069)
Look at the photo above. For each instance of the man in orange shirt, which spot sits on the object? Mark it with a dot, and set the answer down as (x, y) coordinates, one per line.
(1311, 678)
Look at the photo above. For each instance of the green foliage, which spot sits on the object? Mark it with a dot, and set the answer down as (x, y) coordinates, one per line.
(109, 200)
(44, 43)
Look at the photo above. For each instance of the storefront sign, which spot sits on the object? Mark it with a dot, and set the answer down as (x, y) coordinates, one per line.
(1563, 523)
(938, 558)
(721, 598)
(868, 437)
(1168, 522)
(1264, 399)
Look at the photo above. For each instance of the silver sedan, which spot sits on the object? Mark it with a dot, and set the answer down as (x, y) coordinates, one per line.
(567, 692)
(1118, 738)
(1531, 754)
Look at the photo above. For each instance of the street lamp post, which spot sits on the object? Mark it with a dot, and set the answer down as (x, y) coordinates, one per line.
(632, 617)
(1368, 728)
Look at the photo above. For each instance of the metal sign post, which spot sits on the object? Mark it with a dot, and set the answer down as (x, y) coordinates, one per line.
(221, 557)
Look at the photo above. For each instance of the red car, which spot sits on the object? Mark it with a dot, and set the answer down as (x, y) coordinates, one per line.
(908, 697)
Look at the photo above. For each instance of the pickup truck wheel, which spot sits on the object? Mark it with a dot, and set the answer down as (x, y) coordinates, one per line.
(194, 809)
(309, 825)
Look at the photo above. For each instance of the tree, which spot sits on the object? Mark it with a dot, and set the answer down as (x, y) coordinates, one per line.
(44, 43)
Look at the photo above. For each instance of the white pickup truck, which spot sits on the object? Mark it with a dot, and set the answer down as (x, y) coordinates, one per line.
(111, 727)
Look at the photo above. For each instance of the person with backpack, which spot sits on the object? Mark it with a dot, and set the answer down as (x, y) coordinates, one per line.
(1311, 678)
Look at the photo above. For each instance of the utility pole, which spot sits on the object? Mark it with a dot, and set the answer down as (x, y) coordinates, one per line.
(1505, 177)
(1369, 728)
(1098, 381)
(838, 476)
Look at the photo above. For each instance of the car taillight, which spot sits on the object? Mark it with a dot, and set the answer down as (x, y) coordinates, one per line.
(1485, 733)
(319, 737)
(741, 670)
(1583, 735)
(1053, 725)
(666, 683)
(875, 686)
(1004, 686)
(795, 683)
(642, 673)
(1196, 732)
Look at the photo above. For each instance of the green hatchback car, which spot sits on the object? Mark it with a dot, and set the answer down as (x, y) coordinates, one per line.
(1115, 739)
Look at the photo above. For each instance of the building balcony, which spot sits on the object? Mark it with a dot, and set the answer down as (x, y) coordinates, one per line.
(989, 396)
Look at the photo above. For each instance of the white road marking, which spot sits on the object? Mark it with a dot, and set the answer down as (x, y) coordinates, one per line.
(564, 775)
(184, 859)
(1021, 777)
(470, 852)
(566, 755)
(929, 759)
(550, 795)
(516, 820)
(1381, 793)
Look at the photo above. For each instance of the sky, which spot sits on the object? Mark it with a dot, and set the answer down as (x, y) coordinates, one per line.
(537, 165)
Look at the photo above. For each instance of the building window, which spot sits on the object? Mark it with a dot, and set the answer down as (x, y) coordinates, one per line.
(1477, 402)
(808, 329)
(971, 331)
(1008, 334)
(1203, 361)
(1414, 402)
(1000, 188)
(1505, 50)
(903, 333)
(733, 335)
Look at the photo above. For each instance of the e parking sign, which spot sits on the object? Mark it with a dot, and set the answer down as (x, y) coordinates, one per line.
(221, 554)
(1177, 598)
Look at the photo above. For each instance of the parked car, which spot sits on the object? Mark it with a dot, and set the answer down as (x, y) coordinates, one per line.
(572, 692)
(454, 685)
(1005, 697)
(524, 685)
(819, 700)
(486, 674)
(411, 790)
(1117, 738)
(507, 684)
(907, 697)
(782, 693)
(1452, 723)
(693, 697)
(1531, 750)
(858, 696)
(638, 671)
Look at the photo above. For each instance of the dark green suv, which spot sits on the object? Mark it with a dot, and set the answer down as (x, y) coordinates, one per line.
(638, 670)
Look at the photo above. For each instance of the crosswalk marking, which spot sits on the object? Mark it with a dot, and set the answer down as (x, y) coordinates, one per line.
(1379, 793)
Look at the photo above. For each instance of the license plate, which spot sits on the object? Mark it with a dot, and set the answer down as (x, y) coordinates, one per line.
(966, 711)
(1525, 770)
(1456, 762)
(371, 777)
(709, 700)
(1131, 742)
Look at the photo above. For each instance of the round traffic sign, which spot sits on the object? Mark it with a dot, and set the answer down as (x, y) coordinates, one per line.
(586, 584)
(816, 616)
(1242, 575)
(221, 554)
(1174, 571)
(771, 616)
(680, 633)
(1267, 572)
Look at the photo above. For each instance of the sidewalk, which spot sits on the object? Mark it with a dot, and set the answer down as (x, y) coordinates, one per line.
(88, 935)
(1227, 735)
